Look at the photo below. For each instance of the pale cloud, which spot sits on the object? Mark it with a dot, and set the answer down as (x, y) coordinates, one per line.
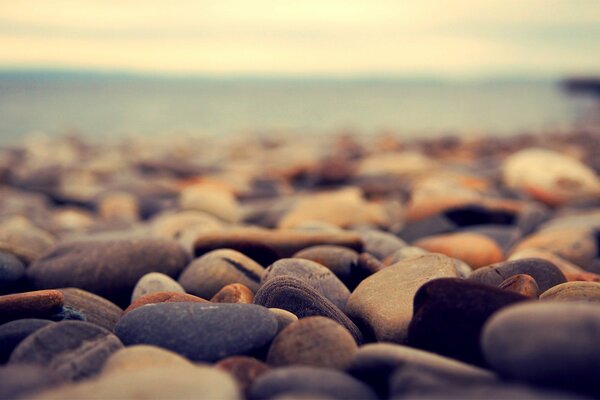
(459, 37)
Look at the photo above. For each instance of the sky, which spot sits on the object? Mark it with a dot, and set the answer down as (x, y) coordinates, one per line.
(309, 37)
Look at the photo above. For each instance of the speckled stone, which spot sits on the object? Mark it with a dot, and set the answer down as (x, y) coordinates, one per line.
(12, 333)
(449, 315)
(340, 260)
(109, 268)
(36, 304)
(297, 297)
(155, 282)
(142, 356)
(522, 284)
(244, 369)
(383, 303)
(205, 276)
(164, 297)
(267, 246)
(573, 291)
(316, 341)
(314, 274)
(546, 343)
(91, 307)
(311, 381)
(24, 380)
(75, 350)
(234, 293)
(545, 273)
(200, 332)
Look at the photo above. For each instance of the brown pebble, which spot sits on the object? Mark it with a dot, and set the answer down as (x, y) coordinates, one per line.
(523, 284)
(244, 369)
(234, 293)
(164, 297)
(38, 303)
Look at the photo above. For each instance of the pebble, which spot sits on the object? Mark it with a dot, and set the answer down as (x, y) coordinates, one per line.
(12, 333)
(119, 206)
(244, 369)
(573, 291)
(109, 268)
(164, 297)
(522, 284)
(205, 276)
(383, 302)
(212, 200)
(92, 308)
(140, 356)
(234, 293)
(340, 260)
(316, 341)
(74, 349)
(200, 332)
(267, 246)
(449, 315)
(24, 241)
(36, 304)
(310, 381)
(313, 274)
(380, 244)
(23, 380)
(174, 225)
(474, 249)
(545, 273)
(571, 271)
(295, 296)
(546, 343)
(184, 382)
(284, 318)
(12, 271)
(155, 282)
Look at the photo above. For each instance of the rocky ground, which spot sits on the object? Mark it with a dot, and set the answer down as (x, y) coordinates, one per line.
(313, 268)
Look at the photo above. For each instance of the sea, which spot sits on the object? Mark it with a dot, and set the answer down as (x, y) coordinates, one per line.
(103, 105)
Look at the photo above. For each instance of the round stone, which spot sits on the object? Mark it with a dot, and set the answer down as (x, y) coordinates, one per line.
(164, 297)
(12, 333)
(340, 260)
(574, 291)
(234, 293)
(136, 357)
(75, 350)
(155, 282)
(26, 242)
(284, 318)
(380, 244)
(244, 369)
(449, 315)
(12, 270)
(383, 302)
(109, 268)
(36, 304)
(546, 343)
(316, 341)
(212, 200)
(545, 273)
(313, 274)
(205, 276)
(295, 296)
(200, 332)
(311, 381)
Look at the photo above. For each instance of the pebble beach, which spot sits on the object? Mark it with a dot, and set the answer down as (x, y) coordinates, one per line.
(285, 267)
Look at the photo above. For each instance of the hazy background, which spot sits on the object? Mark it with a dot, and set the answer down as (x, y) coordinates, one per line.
(417, 67)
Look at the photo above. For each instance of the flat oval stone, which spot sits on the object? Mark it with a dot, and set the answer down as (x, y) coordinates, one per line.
(571, 271)
(200, 332)
(164, 297)
(75, 350)
(522, 284)
(383, 302)
(208, 274)
(403, 254)
(142, 356)
(12, 333)
(295, 296)
(284, 318)
(91, 307)
(155, 282)
(184, 382)
(380, 244)
(449, 315)
(24, 380)
(25, 242)
(340, 260)
(267, 246)
(573, 291)
(212, 200)
(244, 369)
(311, 381)
(314, 274)
(545, 273)
(474, 249)
(546, 343)
(234, 293)
(316, 341)
(109, 268)
(12, 270)
(36, 304)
